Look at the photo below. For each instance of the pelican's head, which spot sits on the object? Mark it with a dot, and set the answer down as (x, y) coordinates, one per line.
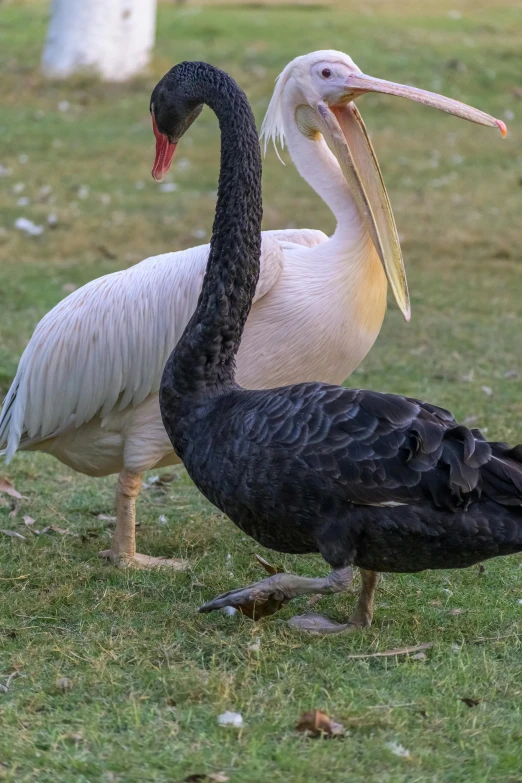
(321, 88)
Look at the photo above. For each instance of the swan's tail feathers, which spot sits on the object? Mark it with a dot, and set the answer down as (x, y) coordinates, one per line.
(502, 475)
(11, 421)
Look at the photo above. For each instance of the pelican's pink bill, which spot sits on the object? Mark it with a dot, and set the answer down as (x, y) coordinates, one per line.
(164, 153)
(360, 83)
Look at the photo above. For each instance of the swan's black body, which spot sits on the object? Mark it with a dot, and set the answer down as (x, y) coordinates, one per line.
(376, 480)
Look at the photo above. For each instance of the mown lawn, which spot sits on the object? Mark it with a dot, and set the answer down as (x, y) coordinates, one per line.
(148, 675)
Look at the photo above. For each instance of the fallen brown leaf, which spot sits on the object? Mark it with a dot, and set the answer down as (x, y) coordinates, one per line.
(393, 653)
(166, 478)
(268, 566)
(6, 486)
(318, 724)
(470, 702)
(63, 684)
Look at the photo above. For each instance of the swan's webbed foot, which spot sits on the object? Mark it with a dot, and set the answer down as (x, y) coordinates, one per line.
(317, 624)
(361, 618)
(266, 597)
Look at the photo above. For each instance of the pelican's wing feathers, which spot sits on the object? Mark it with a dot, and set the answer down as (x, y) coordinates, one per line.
(105, 345)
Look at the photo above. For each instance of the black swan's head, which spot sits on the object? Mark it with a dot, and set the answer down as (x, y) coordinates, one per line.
(174, 105)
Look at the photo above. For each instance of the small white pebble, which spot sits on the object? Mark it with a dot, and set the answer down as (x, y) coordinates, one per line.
(45, 190)
(162, 519)
(23, 159)
(199, 233)
(230, 719)
(83, 191)
(52, 219)
(228, 558)
(5, 171)
(168, 187)
(105, 198)
(447, 591)
(509, 115)
(30, 228)
(454, 14)
(520, 599)
(398, 750)
(183, 164)
(139, 185)
(488, 391)
(456, 648)
(64, 106)
(23, 201)
(230, 611)
(19, 187)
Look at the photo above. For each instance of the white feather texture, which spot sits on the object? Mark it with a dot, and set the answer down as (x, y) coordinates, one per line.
(103, 348)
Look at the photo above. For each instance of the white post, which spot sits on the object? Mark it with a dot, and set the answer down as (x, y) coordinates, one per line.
(113, 38)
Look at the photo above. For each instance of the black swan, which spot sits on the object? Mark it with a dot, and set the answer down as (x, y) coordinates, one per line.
(378, 481)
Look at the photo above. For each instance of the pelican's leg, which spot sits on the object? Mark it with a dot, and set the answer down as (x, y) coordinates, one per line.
(123, 547)
(361, 617)
(267, 596)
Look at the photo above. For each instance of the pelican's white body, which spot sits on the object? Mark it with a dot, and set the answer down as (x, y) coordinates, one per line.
(86, 390)
(113, 38)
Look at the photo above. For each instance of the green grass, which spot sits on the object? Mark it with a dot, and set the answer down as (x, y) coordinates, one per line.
(149, 676)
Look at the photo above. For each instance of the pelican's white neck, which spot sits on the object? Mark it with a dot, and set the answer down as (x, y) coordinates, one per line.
(319, 167)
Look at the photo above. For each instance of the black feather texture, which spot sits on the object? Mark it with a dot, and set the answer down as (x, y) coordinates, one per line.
(376, 480)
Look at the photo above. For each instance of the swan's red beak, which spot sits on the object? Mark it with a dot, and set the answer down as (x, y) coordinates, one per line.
(164, 153)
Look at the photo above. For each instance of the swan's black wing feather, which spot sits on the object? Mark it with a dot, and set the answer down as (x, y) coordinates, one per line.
(376, 449)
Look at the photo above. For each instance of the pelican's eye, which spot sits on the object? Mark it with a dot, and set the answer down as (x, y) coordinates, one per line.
(326, 73)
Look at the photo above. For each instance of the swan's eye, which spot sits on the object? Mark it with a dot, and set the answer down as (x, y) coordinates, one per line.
(326, 73)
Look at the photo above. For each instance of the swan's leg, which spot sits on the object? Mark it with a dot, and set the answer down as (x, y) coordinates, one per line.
(361, 617)
(123, 547)
(363, 613)
(266, 597)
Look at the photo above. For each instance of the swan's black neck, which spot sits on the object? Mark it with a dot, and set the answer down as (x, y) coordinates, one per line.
(204, 358)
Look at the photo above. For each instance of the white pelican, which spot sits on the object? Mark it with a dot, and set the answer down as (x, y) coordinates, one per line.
(86, 388)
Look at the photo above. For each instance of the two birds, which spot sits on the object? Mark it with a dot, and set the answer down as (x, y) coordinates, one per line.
(306, 468)
(373, 480)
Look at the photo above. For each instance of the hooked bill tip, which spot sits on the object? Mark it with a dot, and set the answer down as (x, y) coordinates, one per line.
(407, 314)
(502, 127)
